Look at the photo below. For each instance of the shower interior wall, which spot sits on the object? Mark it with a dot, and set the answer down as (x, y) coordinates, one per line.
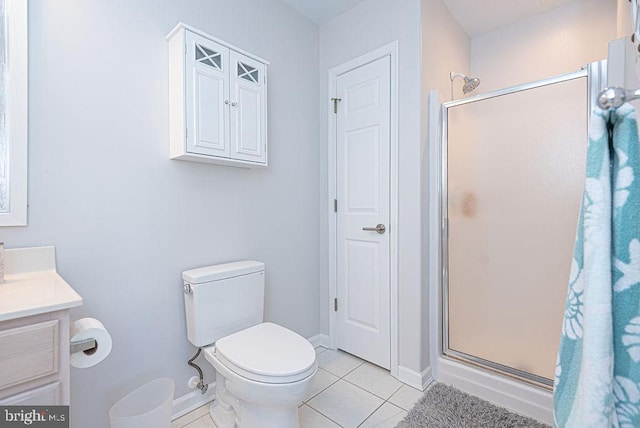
(558, 41)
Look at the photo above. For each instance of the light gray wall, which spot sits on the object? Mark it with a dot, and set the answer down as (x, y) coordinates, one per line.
(368, 26)
(126, 220)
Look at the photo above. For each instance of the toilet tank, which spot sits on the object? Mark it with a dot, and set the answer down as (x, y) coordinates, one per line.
(223, 299)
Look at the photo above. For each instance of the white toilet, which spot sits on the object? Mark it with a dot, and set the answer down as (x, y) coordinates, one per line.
(263, 370)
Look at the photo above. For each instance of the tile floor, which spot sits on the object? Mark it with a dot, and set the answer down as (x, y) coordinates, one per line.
(345, 392)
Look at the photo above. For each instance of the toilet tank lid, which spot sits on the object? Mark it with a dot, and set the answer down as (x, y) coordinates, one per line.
(223, 271)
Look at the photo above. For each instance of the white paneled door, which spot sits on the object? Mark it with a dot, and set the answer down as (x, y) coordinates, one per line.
(363, 245)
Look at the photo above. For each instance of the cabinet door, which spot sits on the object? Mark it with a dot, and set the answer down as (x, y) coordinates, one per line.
(248, 108)
(207, 114)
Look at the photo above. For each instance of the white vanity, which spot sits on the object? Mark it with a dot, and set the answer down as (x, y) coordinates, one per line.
(34, 329)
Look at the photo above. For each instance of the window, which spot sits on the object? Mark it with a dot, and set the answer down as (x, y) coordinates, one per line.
(13, 112)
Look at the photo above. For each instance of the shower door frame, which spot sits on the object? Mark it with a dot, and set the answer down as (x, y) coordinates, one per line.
(595, 74)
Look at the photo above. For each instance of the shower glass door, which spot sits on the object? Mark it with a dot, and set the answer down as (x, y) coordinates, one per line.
(513, 175)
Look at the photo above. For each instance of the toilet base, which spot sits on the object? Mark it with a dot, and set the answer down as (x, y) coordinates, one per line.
(244, 403)
(222, 418)
(222, 411)
(254, 416)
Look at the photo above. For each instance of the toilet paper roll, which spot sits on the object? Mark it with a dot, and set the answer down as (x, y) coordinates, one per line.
(90, 328)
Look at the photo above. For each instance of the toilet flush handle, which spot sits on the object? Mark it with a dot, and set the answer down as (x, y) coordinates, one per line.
(187, 288)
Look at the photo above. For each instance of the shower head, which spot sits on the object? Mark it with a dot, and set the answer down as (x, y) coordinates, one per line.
(470, 83)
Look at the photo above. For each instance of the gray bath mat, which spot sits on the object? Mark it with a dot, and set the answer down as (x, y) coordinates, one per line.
(443, 406)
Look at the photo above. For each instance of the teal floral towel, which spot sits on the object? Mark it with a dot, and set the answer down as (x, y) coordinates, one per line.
(597, 382)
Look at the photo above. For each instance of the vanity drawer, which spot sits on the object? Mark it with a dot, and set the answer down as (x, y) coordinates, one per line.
(28, 353)
(46, 395)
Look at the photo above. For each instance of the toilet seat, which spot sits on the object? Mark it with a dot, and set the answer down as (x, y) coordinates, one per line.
(267, 353)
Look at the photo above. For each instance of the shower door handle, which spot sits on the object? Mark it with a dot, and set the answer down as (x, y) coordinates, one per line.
(379, 228)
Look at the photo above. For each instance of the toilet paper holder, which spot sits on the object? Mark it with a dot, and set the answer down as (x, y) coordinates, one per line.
(88, 346)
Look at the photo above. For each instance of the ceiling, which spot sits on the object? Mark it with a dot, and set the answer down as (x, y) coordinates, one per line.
(320, 11)
(475, 16)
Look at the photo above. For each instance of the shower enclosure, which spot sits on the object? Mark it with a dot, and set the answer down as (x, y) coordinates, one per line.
(512, 180)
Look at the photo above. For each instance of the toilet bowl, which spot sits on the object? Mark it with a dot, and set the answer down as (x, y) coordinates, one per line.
(262, 373)
(263, 370)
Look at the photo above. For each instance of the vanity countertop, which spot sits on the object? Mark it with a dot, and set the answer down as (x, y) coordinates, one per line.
(32, 286)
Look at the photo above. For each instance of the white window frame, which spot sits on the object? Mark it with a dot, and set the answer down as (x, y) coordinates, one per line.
(17, 112)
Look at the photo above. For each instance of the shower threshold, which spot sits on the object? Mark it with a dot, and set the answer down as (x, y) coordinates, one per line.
(492, 366)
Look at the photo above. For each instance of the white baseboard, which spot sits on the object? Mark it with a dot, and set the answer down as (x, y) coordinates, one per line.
(320, 340)
(191, 401)
(414, 379)
(516, 396)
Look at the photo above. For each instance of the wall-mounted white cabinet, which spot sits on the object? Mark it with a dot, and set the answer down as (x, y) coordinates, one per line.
(217, 101)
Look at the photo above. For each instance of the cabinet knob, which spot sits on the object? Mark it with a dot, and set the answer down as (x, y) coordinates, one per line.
(227, 102)
(233, 104)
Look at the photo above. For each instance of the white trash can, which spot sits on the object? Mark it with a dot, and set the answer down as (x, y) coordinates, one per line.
(148, 406)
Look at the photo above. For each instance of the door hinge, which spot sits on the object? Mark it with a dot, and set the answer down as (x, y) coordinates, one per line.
(335, 305)
(335, 104)
(186, 133)
(335, 205)
(186, 49)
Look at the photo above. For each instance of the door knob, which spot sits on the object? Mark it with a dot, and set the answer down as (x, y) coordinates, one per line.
(379, 228)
